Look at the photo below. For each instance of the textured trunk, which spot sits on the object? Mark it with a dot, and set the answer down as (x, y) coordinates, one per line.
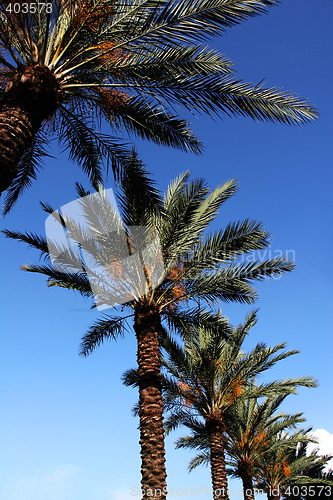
(215, 429)
(247, 486)
(31, 96)
(153, 474)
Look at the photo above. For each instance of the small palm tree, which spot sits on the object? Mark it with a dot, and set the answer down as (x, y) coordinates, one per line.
(65, 64)
(196, 266)
(250, 426)
(319, 479)
(283, 470)
(209, 376)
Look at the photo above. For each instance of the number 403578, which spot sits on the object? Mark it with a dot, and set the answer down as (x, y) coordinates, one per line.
(29, 8)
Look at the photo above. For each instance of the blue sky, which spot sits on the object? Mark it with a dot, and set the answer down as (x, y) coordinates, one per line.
(66, 428)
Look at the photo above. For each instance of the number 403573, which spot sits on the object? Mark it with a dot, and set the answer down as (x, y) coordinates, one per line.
(309, 491)
(29, 8)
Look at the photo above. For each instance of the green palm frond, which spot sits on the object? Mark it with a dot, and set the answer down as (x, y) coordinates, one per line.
(187, 321)
(228, 244)
(200, 218)
(199, 459)
(196, 441)
(181, 202)
(223, 285)
(139, 198)
(233, 97)
(152, 122)
(288, 385)
(130, 378)
(31, 239)
(29, 165)
(88, 147)
(103, 329)
(174, 62)
(200, 19)
(70, 281)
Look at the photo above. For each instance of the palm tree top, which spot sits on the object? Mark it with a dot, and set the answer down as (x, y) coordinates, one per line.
(212, 372)
(196, 264)
(251, 423)
(96, 51)
(132, 63)
(287, 463)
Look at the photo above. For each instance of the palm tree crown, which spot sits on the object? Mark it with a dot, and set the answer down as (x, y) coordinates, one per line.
(197, 264)
(250, 426)
(286, 465)
(130, 62)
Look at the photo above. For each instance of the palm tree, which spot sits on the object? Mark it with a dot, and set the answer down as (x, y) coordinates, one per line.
(196, 266)
(283, 470)
(209, 375)
(64, 65)
(250, 425)
(320, 480)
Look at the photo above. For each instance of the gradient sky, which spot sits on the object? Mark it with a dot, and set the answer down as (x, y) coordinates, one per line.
(66, 428)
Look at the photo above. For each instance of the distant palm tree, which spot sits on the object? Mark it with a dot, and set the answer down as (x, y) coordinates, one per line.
(65, 64)
(283, 470)
(196, 266)
(210, 374)
(250, 425)
(318, 484)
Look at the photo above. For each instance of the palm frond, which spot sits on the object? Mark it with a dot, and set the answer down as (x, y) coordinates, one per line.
(186, 322)
(89, 147)
(199, 459)
(29, 165)
(235, 240)
(103, 329)
(180, 22)
(70, 281)
(150, 121)
(202, 215)
(139, 197)
(31, 239)
(216, 95)
(130, 378)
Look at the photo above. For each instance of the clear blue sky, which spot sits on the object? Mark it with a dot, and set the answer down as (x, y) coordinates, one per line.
(66, 428)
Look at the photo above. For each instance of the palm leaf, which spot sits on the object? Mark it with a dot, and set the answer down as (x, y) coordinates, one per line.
(29, 166)
(103, 329)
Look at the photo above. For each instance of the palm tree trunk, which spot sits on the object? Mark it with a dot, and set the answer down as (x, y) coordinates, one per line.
(153, 473)
(31, 96)
(16, 136)
(215, 429)
(247, 486)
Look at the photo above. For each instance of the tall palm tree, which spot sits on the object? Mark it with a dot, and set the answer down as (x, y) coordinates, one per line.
(209, 375)
(283, 470)
(197, 265)
(65, 64)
